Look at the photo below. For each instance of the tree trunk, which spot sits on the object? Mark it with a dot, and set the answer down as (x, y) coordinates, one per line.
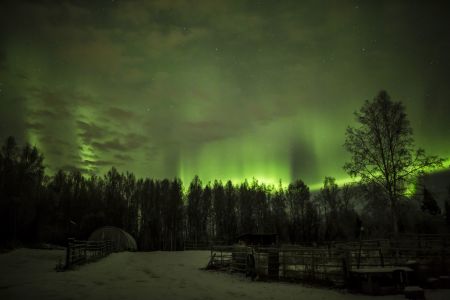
(394, 219)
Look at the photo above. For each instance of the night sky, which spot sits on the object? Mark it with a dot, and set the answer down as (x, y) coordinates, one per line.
(222, 89)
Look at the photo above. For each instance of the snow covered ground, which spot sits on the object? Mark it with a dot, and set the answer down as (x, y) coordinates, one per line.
(29, 274)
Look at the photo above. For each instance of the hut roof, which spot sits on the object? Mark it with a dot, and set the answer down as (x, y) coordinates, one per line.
(122, 239)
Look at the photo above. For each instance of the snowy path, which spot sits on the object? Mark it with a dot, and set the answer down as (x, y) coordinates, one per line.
(29, 274)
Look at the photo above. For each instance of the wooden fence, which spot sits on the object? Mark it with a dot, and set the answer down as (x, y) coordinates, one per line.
(332, 264)
(79, 252)
(233, 258)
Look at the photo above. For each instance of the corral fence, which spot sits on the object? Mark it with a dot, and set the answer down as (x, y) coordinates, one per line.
(233, 258)
(79, 252)
(290, 263)
(427, 254)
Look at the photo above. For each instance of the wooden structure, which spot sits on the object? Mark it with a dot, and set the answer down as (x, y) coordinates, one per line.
(290, 263)
(123, 241)
(379, 280)
(233, 258)
(256, 264)
(79, 252)
(369, 266)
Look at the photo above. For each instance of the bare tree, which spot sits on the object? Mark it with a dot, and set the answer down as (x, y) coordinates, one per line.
(382, 149)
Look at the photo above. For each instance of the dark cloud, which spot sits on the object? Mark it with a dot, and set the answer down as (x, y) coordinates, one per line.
(120, 115)
(91, 132)
(75, 168)
(303, 161)
(100, 163)
(52, 114)
(55, 152)
(237, 86)
(35, 126)
(60, 100)
(123, 157)
(63, 104)
(125, 143)
(205, 131)
(12, 113)
(55, 141)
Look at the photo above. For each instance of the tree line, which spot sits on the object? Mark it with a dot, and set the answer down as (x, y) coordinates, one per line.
(162, 215)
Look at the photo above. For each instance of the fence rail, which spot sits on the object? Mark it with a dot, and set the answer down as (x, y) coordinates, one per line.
(333, 263)
(79, 252)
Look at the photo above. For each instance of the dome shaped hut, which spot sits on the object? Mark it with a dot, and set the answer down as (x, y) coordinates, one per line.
(122, 240)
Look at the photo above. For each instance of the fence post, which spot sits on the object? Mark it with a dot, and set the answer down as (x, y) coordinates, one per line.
(85, 250)
(381, 254)
(359, 254)
(211, 251)
(348, 254)
(68, 254)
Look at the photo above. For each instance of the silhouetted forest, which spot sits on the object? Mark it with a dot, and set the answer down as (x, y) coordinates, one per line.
(161, 215)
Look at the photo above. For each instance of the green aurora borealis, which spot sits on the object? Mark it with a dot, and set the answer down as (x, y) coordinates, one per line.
(222, 89)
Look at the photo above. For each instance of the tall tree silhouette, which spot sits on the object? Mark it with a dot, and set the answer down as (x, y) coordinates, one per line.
(194, 210)
(247, 221)
(230, 218)
(328, 198)
(115, 204)
(207, 214)
(176, 218)
(279, 214)
(337, 212)
(297, 197)
(261, 207)
(382, 149)
(21, 191)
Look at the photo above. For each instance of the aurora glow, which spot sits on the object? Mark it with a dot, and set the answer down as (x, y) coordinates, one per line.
(222, 89)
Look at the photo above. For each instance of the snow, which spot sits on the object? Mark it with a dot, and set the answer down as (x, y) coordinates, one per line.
(30, 274)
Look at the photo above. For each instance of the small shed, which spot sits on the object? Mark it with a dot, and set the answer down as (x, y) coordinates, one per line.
(122, 240)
